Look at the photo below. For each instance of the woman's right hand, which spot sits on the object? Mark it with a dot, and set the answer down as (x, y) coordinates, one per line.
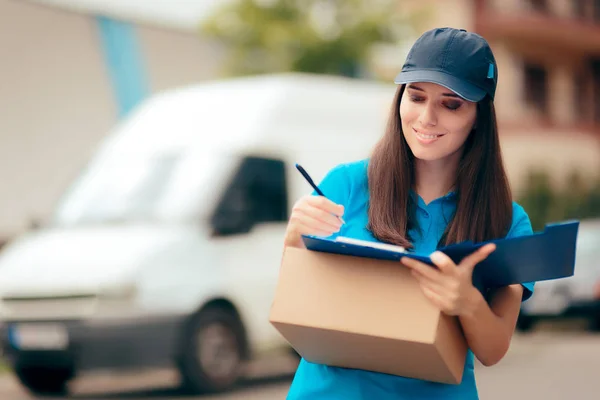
(312, 215)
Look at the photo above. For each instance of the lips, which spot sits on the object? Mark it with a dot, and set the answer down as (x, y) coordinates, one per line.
(427, 137)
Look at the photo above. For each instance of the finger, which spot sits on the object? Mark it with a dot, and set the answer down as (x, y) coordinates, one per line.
(436, 286)
(312, 224)
(443, 262)
(478, 256)
(326, 205)
(422, 268)
(320, 215)
(304, 229)
(436, 299)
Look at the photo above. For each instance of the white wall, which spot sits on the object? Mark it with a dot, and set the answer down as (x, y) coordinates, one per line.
(57, 101)
(55, 104)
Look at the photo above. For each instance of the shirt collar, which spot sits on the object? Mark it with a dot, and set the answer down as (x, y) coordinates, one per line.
(451, 195)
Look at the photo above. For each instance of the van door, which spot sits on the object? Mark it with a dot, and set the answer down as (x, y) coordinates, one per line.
(248, 227)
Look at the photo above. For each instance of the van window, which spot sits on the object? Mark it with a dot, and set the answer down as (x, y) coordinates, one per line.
(161, 188)
(257, 193)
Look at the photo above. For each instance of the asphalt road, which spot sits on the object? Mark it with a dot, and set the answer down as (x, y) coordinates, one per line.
(547, 364)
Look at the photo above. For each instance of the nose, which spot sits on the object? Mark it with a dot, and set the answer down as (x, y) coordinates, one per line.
(428, 116)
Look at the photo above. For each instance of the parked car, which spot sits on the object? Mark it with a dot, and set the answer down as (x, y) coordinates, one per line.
(166, 250)
(576, 296)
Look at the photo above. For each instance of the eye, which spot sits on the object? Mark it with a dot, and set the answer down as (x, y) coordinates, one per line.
(416, 99)
(452, 105)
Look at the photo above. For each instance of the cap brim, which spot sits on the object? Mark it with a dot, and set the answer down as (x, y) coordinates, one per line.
(464, 89)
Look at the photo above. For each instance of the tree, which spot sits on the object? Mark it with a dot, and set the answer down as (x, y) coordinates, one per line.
(579, 198)
(314, 36)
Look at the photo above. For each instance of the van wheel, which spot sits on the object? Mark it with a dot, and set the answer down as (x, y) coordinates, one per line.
(44, 381)
(213, 352)
(525, 323)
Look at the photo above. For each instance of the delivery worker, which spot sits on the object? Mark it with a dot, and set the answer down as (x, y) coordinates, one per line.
(435, 178)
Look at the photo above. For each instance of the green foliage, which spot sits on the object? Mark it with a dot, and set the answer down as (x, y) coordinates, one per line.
(545, 204)
(4, 367)
(313, 36)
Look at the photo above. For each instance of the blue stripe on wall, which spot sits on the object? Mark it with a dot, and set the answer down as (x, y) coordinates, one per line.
(124, 61)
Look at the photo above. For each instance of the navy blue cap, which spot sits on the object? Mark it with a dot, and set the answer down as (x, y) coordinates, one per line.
(454, 58)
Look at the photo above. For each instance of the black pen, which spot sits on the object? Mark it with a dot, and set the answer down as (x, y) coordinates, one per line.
(310, 181)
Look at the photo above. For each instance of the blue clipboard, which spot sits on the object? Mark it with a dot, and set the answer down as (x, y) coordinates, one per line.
(545, 255)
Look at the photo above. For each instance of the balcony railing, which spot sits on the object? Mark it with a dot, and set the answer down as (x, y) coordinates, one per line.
(572, 26)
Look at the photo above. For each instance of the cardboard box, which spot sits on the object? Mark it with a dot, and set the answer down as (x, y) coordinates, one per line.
(366, 314)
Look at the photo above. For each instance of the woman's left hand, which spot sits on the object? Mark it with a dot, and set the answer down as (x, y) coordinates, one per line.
(450, 286)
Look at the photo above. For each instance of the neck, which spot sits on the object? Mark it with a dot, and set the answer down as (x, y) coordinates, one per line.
(434, 179)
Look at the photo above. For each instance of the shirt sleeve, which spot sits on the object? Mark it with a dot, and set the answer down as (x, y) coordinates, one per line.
(521, 226)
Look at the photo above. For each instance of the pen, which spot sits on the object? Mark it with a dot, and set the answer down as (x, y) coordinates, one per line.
(310, 181)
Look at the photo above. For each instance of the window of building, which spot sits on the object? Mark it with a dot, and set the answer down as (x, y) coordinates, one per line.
(587, 93)
(536, 87)
(582, 96)
(257, 193)
(579, 7)
(588, 10)
(539, 5)
(596, 90)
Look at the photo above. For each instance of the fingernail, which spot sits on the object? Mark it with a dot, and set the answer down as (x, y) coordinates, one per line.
(436, 256)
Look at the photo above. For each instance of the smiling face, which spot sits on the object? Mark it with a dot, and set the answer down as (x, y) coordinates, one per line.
(436, 122)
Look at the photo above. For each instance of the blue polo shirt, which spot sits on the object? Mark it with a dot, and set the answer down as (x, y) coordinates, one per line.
(346, 184)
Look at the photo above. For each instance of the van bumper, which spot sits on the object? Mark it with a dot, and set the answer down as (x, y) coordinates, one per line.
(99, 344)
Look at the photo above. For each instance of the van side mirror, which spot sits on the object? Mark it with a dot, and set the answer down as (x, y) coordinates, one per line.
(230, 228)
(233, 216)
(228, 224)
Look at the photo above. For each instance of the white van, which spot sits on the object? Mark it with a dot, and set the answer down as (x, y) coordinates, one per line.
(575, 297)
(166, 250)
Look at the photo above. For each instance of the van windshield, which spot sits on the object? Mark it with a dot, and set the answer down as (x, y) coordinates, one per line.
(164, 187)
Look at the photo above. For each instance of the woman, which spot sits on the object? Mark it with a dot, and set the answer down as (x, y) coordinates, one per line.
(435, 178)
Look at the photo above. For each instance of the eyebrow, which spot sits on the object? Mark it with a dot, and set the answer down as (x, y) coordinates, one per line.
(447, 94)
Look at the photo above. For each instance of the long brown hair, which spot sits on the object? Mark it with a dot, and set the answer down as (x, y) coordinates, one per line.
(483, 195)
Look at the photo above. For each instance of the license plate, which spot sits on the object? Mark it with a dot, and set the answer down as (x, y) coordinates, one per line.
(39, 337)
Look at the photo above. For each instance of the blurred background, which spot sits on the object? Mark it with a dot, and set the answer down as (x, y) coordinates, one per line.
(138, 140)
